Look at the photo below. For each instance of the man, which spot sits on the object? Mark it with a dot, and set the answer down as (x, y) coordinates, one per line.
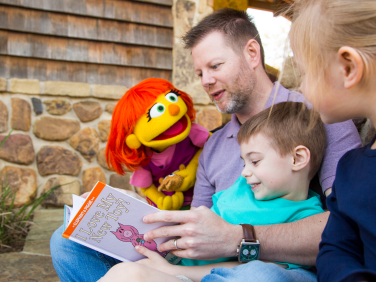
(228, 56)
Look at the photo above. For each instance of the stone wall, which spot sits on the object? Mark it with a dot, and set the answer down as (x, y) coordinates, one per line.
(186, 14)
(60, 130)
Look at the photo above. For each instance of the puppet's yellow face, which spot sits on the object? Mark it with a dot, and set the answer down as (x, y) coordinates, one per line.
(164, 123)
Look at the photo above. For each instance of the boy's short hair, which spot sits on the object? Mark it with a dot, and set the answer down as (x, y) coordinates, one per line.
(236, 26)
(288, 125)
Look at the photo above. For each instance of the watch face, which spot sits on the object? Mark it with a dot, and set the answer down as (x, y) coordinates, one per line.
(249, 252)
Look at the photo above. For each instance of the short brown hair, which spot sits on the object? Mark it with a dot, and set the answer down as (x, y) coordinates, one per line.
(236, 26)
(288, 125)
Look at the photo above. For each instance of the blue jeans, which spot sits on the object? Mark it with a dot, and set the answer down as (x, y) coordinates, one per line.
(75, 262)
(259, 271)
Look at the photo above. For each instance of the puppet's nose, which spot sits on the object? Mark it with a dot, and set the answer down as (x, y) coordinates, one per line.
(173, 109)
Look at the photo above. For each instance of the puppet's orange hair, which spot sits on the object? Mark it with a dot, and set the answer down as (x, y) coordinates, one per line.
(128, 110)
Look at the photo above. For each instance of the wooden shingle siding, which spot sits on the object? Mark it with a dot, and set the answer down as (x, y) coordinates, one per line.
(130, 11)
(93, 41)
(66, 49)
(47, 70)
(64, 25)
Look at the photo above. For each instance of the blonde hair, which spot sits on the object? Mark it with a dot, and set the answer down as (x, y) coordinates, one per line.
(288, 125)
(321, 27)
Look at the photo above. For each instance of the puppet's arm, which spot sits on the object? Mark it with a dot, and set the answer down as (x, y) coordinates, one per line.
(189, 173)
(163, 201)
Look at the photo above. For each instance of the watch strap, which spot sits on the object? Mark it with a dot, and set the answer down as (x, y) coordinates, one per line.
(249, 234)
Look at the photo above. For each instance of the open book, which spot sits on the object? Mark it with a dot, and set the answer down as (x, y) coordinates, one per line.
(110, 221)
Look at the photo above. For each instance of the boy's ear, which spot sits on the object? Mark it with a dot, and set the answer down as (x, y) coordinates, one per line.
(352, 66)
(132, 141)
(301, 155)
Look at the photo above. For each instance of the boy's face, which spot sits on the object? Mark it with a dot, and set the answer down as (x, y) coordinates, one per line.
(267, 172)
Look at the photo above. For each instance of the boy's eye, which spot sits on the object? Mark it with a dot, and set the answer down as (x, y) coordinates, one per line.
(172, 97)
(157, 110)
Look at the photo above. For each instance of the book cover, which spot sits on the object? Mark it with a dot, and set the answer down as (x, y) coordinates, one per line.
(110, 221)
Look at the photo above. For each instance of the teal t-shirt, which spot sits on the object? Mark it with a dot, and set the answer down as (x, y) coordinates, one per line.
(238, 205)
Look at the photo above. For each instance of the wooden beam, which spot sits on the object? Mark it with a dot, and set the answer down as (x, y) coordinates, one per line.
(265, 6)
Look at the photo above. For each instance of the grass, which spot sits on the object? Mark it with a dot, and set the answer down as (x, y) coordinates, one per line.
(15, 221)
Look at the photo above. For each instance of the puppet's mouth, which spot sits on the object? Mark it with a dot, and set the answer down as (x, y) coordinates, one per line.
(178, 128)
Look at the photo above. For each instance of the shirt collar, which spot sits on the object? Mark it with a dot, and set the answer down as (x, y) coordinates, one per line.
(234, 126)
(279, 94)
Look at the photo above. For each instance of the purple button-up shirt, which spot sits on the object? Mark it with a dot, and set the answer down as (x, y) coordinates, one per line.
(220, 164)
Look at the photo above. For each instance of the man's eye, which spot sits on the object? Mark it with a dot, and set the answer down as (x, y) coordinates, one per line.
(172, 97)
(255, 162)
(214, 67)
(157, 110)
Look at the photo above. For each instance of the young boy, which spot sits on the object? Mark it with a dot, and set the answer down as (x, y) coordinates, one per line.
(282, 149)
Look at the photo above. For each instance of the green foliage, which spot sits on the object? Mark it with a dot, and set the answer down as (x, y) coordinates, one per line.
(14, 221)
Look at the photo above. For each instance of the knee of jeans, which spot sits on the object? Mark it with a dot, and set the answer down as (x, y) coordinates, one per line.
(56, 241)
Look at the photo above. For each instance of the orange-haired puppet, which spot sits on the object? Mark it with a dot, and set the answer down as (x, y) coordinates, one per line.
(152, 134)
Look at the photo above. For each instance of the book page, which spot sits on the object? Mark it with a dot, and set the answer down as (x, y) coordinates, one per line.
(110, 221)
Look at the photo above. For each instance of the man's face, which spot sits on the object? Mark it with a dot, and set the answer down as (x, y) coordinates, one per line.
(225, 74)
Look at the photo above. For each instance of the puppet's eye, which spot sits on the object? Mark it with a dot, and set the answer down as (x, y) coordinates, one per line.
(157, 110)
(172, 97)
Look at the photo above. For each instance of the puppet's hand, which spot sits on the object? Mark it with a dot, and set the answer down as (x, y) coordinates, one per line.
(189, 173)
(173, 202)
(189, 177)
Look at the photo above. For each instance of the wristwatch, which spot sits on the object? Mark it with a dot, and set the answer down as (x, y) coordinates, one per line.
(249, 247)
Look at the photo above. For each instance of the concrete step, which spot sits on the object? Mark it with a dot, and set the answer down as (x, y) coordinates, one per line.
(16, 267)
(46, 221)
(34, 263)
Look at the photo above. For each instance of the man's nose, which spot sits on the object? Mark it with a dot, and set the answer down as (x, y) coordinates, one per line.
(207, 80)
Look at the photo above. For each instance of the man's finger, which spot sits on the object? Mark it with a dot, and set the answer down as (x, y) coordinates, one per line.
(165, 231)
(168, 216)
(170, 245)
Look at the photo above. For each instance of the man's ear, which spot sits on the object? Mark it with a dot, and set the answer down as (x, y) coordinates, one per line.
(352, 66)
(252, 52)
(301, 157)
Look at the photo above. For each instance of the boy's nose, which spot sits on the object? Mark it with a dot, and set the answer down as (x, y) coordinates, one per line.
(246, 173)
(174, 110)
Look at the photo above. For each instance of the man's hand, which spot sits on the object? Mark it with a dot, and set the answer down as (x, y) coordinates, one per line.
(204, 235)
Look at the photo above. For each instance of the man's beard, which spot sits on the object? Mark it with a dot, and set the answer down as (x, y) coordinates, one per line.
(234, 104)
(239, 97)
